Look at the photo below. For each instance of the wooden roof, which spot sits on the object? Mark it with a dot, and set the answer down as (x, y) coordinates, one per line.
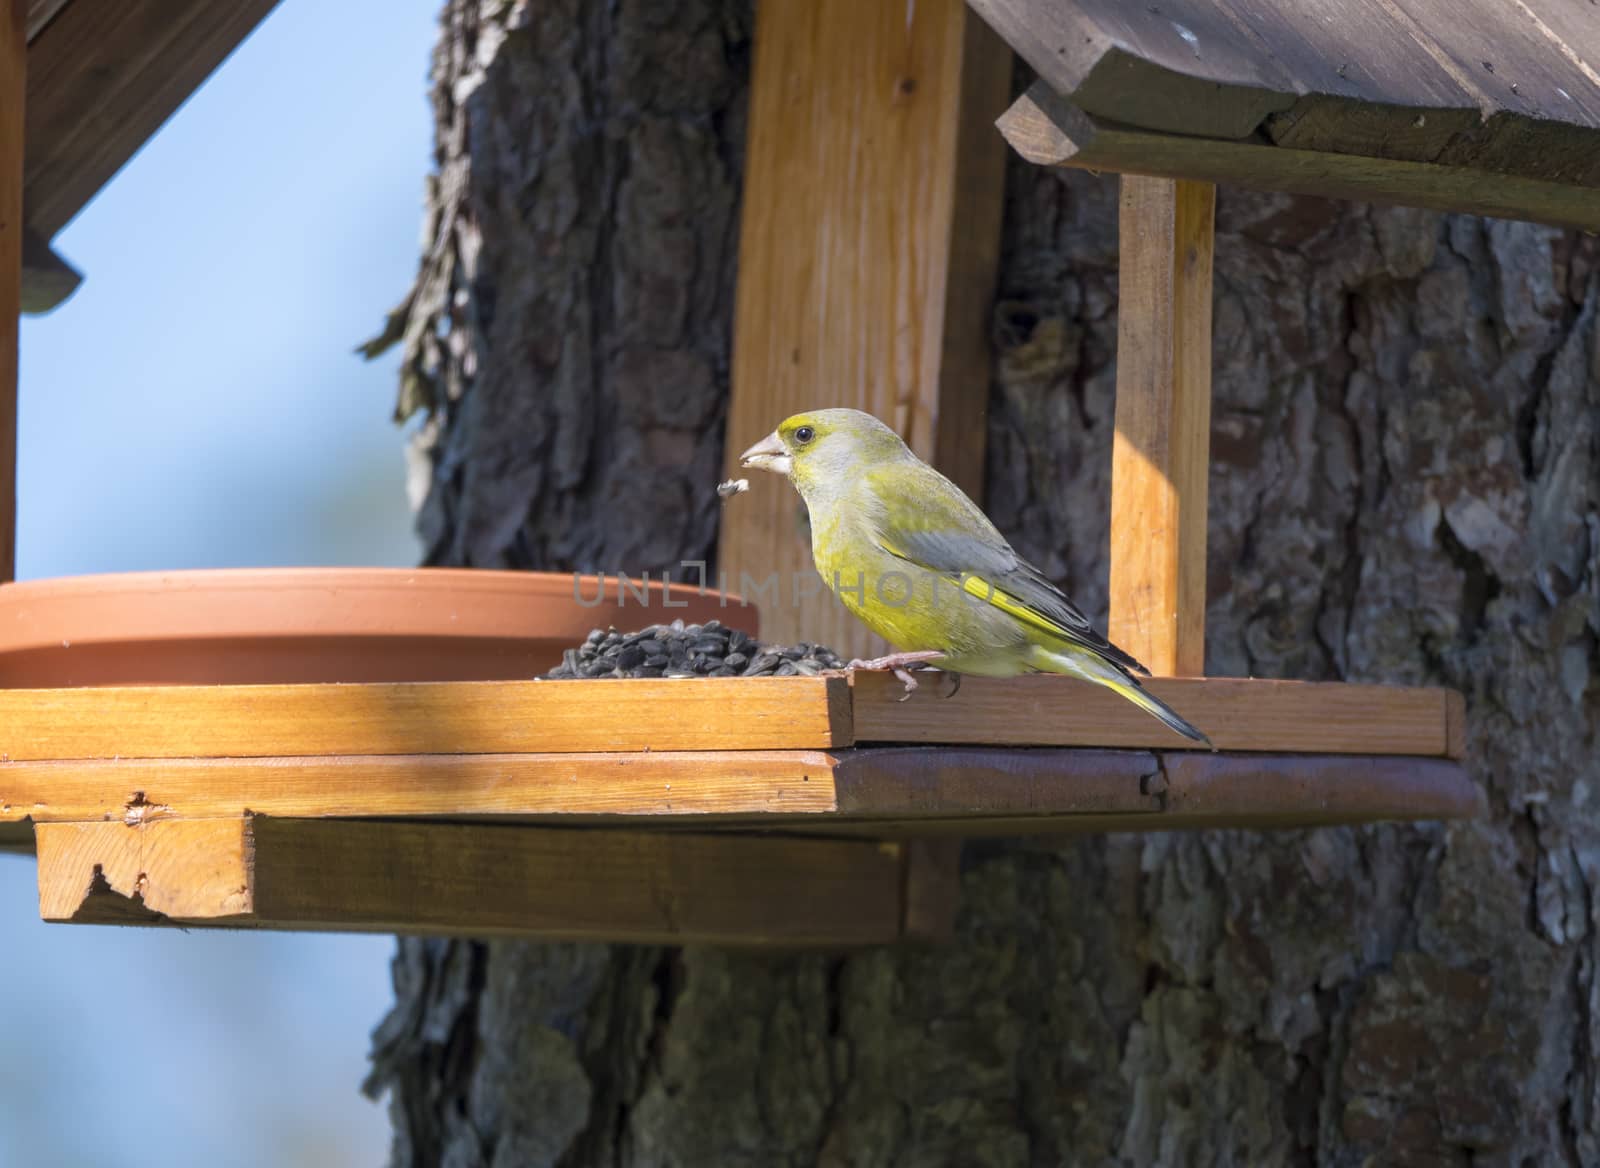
(103, 75)
(1477, 105)
(1490, 106)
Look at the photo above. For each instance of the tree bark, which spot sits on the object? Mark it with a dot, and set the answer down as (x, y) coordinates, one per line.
(1404, 489)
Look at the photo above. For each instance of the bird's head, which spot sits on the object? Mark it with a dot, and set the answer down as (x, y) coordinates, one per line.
(825, 447)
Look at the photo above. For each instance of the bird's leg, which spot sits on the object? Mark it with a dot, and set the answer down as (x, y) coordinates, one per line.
(897, 662)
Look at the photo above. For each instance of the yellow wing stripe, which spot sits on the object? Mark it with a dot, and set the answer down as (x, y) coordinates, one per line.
(982, 589)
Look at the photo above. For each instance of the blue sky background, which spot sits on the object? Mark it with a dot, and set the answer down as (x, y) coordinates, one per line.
(198, 404)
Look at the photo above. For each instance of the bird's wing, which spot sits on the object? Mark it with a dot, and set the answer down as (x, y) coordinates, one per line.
(926, 520)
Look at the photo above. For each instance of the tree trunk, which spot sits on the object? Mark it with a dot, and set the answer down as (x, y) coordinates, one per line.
(1405, 489)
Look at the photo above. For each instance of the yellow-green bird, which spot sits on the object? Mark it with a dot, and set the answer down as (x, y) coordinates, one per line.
(920, 565)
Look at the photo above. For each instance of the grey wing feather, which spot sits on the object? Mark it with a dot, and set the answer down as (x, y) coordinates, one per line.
(947, 533)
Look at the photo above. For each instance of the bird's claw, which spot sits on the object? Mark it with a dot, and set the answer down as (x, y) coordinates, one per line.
(897, 663)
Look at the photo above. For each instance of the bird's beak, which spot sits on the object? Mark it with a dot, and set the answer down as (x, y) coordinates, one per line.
(768, 454)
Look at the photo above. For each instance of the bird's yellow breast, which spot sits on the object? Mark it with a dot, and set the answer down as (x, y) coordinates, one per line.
(907, 605)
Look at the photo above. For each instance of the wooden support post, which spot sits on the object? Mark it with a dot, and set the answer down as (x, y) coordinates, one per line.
(473, 880)
(1163, 442)
(932, 888)
(13, 83)
(867, 257)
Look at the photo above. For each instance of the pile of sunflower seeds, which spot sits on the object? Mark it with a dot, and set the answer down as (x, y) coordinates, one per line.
(680, 650)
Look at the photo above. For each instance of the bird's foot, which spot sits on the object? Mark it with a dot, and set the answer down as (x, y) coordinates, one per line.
(897, 662)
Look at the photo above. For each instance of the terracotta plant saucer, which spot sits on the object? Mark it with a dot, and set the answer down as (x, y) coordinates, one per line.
(257, 626)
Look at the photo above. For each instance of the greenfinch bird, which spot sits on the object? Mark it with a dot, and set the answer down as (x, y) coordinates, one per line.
(916, 560)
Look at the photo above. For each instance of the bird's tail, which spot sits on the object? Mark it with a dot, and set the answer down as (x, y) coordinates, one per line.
(1078, 663)
(1150, 704)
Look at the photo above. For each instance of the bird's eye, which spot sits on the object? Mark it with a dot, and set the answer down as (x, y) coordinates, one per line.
(804, 434)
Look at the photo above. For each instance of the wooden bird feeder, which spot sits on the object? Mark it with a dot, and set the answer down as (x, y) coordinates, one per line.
(809, 811)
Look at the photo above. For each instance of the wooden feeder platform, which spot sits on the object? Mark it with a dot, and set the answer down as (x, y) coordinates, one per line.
(779, 811)
(809, 811)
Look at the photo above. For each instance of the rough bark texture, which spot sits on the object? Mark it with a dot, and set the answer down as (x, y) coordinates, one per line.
(1407, 449)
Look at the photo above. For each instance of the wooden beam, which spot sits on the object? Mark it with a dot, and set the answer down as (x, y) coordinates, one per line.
(1136, 791)
(103, 77)
(924, 792)
(676, 789)
(458, 717)
(891, 790)
(47, 279)
(932, 889)
(1202, 790)
(474, 731)
(1161, 456)
(473, 880)
(1539, 97)
(1129, 62)
(1238, 714)
(686, 786)
(867, 259)
(13, 87)
(1509, 88)
(1050, 132)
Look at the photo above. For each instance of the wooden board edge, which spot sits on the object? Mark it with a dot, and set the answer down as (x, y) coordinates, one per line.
(447, 717)
(1161, 451)
(681, 787)
(841, 712)
(931, 894)
(110, 872)
(13, 90)
(448, 879)
(1274, 717)
(1264, 790)
(1048, 131)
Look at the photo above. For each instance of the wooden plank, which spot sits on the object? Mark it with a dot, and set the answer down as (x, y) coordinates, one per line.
(13, 83)
(912, 784)
(1374, 93)
(1507, 87)
(182, 869)
(876, 792)
(1539, 98)
(474, 880)
(868, 246)
(1161, 455)
(1347, 126)
(41, 13)
(1050, 132)
(685, 785)
(1180, 792)
(972, 207)
(1134, 63)
(103, 77)
(1569, 30)
(1512, 60)
(459, 717)
(1206, 790)
(932, 889)
(1239, 714)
